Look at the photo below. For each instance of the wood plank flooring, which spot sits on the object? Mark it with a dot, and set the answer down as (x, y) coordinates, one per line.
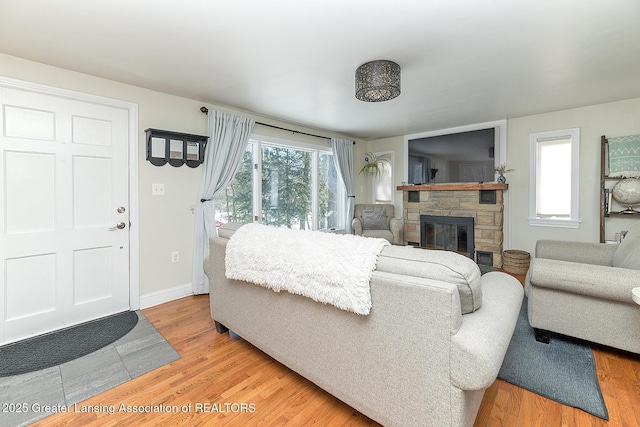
(228, 382)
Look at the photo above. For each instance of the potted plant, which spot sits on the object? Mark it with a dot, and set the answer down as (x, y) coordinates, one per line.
(375, 164)
(502, 169)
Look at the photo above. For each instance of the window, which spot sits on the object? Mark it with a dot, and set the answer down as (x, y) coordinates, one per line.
(330, 193)
(286, 187)
(282, 183)
(235, 203)
(553, 183)
(382, 184)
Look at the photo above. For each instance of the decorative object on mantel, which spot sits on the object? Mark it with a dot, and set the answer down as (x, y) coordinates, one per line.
(502, 169)
(375, 165)
(627, 192)
(378, 81)
(175, 148)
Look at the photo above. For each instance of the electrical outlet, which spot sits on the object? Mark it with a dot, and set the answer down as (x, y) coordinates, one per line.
(175, 257)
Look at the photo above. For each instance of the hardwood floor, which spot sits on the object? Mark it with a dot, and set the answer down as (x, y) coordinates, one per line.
(228, 382)
(619, 375)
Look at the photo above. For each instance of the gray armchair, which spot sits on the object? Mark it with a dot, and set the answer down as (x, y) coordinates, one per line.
(584, 290)
(378, 221)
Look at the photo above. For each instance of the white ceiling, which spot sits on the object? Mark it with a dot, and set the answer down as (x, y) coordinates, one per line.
(463, 61)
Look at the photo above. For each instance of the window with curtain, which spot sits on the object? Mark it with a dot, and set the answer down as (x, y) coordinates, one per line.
(331, 193)
(235, 203)
(282, 183)
(554, 178)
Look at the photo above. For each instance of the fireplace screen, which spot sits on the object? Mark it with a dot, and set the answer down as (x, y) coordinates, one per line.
(448, 233)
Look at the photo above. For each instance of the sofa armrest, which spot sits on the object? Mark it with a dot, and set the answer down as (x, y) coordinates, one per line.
(396, 226)
(583, 252)
(597, 281)
(356, 225)
(479, 346)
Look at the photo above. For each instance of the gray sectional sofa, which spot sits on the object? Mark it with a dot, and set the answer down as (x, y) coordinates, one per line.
(415, 360)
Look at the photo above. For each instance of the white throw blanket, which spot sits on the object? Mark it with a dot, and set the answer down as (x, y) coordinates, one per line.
(329, 268)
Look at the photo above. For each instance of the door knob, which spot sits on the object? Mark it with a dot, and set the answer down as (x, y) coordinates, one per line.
(120, 226)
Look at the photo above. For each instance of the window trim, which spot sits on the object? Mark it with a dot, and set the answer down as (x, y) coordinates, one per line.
(257, 141)
(573, 134)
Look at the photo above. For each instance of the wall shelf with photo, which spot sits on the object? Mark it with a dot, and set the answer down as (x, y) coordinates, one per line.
(175, 148)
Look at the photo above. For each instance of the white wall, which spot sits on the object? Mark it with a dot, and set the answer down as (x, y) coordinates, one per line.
(166, 222)
(611, 119)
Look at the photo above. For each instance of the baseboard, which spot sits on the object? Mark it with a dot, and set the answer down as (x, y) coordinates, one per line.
(165, 295)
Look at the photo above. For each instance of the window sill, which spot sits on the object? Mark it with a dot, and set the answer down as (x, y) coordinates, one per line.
(561, 223)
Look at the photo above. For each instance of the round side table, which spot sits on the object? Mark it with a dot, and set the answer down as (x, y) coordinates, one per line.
(635, 294)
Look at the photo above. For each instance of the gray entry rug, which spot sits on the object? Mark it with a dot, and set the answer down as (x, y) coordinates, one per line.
(140, 351)
(563, 370)
(65, 345)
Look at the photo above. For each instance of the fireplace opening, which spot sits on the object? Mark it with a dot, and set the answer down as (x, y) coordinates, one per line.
(450, 233)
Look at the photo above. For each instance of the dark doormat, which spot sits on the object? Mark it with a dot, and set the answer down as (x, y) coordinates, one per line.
(65, 345)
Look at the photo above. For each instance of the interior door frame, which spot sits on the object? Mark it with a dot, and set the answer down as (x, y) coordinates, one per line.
(132, 109)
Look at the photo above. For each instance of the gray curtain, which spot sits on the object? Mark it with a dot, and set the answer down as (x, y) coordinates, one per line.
(228, 137)
(343, 158)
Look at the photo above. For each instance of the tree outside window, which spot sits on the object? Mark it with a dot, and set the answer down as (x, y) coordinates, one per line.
(291, 186)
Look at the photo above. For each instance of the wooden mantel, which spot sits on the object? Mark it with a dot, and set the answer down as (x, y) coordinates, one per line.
(454, 186)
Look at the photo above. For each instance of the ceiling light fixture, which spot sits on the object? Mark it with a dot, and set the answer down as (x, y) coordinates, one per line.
(378, 81)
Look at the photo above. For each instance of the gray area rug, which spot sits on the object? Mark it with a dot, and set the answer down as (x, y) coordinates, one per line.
(65, 345)
(563, 370)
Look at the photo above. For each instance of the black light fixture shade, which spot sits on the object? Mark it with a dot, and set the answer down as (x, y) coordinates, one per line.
(378, 81)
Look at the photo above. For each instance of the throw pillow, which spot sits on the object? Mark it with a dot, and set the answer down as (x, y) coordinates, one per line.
(375, 219)
(627, 254)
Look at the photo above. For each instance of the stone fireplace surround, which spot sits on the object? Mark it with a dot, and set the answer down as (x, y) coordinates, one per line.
(459, 200)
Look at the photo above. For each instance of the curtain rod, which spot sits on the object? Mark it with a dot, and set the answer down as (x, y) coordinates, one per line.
(205, 110)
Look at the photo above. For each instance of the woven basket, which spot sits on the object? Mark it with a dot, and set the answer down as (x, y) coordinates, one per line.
(516, 262)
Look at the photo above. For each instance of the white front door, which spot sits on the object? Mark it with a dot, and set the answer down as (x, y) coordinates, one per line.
(64, 194)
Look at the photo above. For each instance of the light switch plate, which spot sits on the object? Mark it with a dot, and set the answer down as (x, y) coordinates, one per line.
(157, 189)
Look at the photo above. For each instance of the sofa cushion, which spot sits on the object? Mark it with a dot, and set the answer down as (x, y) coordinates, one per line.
(374, 219)
(227, 230)
(627, 254)
(445, 266)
